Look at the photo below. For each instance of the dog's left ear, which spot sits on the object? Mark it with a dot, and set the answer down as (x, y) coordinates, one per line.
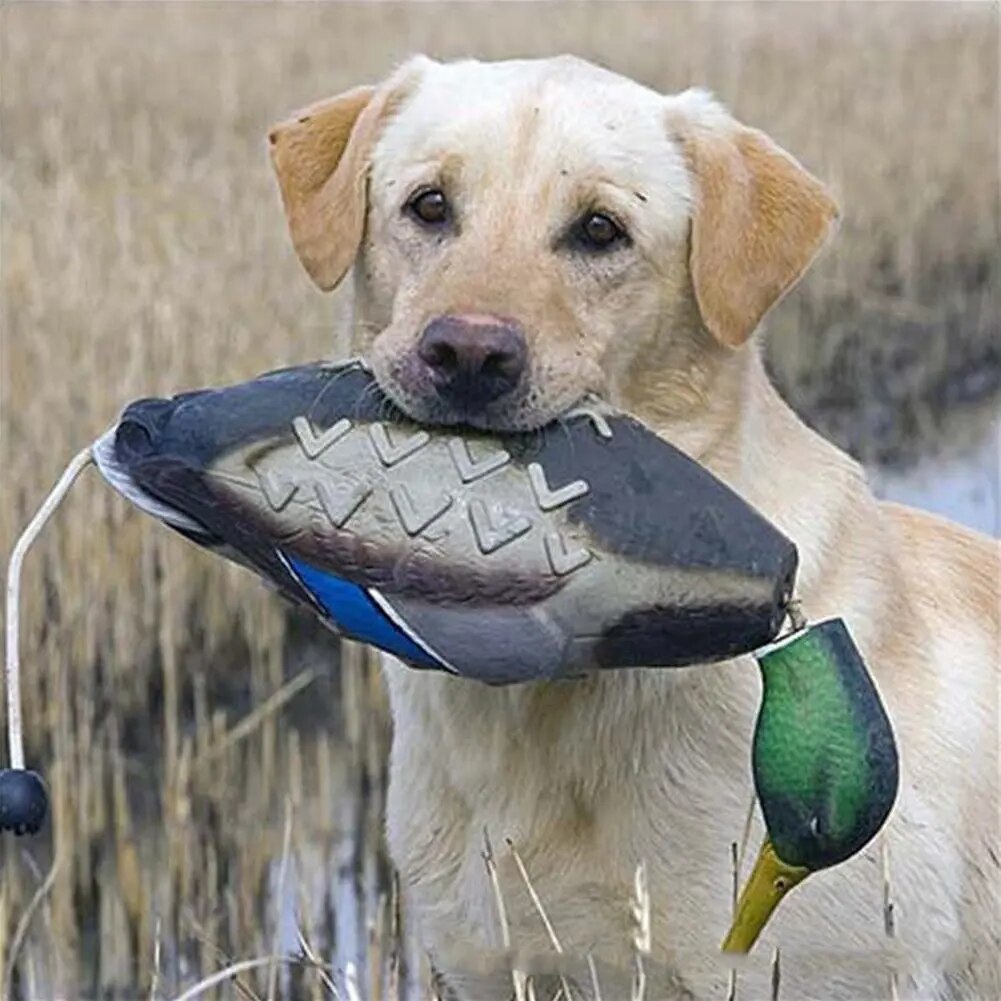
(758, 222)
(321, 158)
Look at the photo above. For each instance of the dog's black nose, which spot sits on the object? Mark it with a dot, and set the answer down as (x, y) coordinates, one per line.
(473, 358)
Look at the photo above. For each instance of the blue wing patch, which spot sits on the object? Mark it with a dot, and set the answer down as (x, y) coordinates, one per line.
(356, 615)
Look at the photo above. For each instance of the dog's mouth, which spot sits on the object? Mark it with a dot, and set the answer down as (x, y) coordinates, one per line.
(523, 409)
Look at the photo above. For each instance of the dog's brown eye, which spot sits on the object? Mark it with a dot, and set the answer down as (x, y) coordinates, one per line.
(598, 231)
(429, 207)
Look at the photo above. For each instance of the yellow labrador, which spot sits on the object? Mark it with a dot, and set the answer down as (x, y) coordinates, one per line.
(522, 233)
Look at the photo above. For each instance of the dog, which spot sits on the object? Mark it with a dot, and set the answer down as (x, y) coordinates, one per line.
(521, 234)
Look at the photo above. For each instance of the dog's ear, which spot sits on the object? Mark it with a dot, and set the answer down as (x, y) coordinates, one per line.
(321, 158)
(758, 221)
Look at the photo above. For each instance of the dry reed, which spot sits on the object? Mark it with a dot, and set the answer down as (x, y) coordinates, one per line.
(143, 251)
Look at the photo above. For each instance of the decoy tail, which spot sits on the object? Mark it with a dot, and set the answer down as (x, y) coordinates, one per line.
(116, 473)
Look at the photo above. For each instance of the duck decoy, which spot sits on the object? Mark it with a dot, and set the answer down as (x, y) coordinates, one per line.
(825, 767)
(585, 545)
(590, 544)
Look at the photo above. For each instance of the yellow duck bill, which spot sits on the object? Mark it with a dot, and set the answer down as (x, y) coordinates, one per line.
(770, 880)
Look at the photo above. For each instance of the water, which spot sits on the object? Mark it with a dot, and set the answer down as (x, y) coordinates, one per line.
(964, 487)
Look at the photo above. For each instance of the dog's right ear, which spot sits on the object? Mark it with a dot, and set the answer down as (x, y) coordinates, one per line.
(321, 158)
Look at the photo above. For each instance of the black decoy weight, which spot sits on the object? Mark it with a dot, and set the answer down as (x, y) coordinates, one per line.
(23, 801)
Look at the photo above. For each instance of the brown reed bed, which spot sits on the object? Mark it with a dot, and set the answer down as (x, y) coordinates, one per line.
(217, 769)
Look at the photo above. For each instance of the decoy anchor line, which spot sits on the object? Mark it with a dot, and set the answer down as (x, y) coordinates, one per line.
(23, 800)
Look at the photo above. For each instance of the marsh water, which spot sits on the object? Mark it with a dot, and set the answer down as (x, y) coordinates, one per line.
(964, 487)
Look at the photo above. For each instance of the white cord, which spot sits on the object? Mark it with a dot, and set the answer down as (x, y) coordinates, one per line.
(13, 660)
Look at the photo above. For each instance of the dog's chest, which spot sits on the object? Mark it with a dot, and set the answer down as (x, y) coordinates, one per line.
(592, 779)
(587, 781)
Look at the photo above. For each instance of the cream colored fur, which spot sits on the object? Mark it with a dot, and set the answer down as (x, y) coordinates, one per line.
(590, 778)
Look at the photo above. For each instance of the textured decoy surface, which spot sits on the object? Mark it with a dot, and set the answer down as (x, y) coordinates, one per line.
(590, 543)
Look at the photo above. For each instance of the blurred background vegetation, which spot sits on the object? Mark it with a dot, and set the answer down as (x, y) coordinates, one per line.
(216, 763)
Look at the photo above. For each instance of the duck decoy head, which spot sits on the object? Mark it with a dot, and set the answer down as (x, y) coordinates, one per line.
(825, 765)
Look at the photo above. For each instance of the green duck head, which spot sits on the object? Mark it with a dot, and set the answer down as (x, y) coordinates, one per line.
(825, 766)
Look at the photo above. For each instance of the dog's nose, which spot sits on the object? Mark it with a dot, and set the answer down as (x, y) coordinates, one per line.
(473, 358)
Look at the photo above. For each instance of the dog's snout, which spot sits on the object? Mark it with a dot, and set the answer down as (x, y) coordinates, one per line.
(473, 359)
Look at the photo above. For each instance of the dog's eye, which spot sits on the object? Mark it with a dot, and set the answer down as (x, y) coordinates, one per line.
(597, 231)
(429, 206)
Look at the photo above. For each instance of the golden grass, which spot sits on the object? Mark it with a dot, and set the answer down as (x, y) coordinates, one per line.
(143, 251)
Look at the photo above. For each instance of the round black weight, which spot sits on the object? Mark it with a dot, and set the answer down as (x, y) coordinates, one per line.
(23, 801)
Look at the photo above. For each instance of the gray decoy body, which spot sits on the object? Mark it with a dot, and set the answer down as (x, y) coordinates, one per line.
(589, 544)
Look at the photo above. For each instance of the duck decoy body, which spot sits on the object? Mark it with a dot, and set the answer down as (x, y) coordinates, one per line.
(588, 544)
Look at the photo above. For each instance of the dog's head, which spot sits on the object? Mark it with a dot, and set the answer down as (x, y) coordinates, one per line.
(526, 232)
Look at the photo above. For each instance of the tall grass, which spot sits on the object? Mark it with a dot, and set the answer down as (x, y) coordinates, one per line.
(143, 251)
